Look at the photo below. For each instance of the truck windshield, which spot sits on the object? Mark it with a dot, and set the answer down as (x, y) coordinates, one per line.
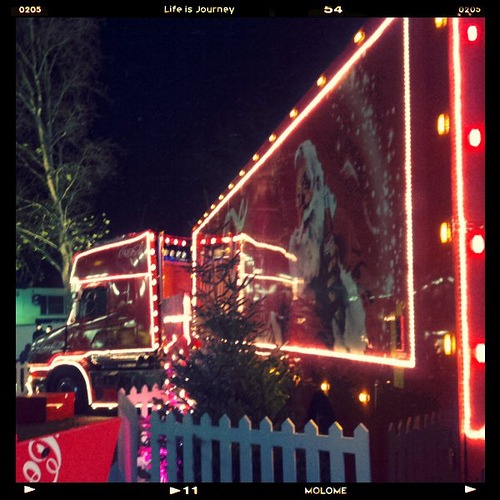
(93, 303)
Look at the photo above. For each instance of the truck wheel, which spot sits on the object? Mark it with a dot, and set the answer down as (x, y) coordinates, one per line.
(68, 380)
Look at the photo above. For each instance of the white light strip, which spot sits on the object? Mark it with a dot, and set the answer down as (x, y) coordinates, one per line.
(365, 358)
(106, 247)
(275, 248)
(111, 277)
(408, 190)
(294, 124)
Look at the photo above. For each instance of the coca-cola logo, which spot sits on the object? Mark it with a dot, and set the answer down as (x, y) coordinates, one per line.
(45, 460)
(132, 254)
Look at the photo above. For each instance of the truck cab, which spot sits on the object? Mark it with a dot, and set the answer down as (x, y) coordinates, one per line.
(117, 322)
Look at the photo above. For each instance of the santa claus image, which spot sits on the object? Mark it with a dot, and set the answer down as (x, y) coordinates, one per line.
(327, 309)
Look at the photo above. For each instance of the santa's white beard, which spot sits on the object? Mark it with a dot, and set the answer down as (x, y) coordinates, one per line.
(306, 243)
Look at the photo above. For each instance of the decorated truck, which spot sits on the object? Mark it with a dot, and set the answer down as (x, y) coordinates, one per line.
(131, 295)
(361, 222)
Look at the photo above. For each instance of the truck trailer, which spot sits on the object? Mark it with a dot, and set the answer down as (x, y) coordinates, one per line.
(361, 223)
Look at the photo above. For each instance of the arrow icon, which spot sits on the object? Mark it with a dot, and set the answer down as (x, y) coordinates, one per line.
(173, 490)
(468, 489)
(28, 489)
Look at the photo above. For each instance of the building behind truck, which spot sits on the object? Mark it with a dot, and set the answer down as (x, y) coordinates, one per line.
(361, 223)
(39, 306)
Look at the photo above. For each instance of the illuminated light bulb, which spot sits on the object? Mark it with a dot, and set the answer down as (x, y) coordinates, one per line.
(480, 353)
(203, 241)
(325, 386)
(176, 241)
(230, 186)
(255, 157)
(153, 267)
(205, 214)
(213, 241)
(449, 344)
(294, 113)
(221, 197)
(199, 221)
(445, 232)
(184, 243)
(242, 173)
(440, 22)
(212, 206)
(472, 33)
(364, 397)
(272, 137)
(477, 244)
(154, 282)
(359, 37)
(320, 82)
(475, 137)
(167, 240)
(443, 124)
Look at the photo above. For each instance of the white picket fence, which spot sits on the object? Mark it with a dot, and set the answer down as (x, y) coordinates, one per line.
(416, 448)
(203, 452)
(145, 399)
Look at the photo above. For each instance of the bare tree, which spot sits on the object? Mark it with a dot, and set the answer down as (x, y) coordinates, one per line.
(60, 166)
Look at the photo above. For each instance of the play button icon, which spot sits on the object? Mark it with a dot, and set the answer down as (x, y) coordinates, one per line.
(468, 489)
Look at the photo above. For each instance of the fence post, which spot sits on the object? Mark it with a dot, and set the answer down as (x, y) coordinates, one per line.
(226, 473)
(266, 451)
(312, 456)
(361, 449)
(128, 438)
(289, 459)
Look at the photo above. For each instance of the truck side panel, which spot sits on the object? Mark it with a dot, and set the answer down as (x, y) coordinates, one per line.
(322, 223)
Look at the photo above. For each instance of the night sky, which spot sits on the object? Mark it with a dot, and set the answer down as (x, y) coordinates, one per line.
(191, 100)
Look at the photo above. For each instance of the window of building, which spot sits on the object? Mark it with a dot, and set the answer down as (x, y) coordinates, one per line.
(51, 305)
